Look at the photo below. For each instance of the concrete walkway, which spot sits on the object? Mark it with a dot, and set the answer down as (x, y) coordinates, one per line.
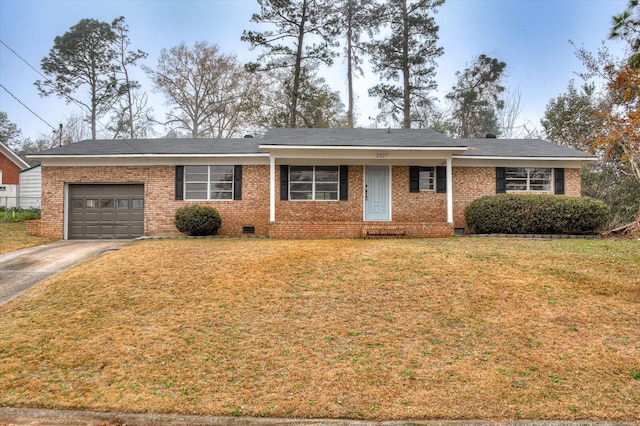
(20, 270)
(25, 416)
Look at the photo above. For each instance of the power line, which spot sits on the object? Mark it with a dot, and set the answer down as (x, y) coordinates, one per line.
(22, 59)
(69, 98)
(29, 109)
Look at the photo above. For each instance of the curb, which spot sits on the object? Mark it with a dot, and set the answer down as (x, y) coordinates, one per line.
(37, 417)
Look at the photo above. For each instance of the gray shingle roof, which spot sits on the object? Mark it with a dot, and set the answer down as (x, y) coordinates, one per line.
(398, 138)
(359, 138)
(518, 148)
(166, 146)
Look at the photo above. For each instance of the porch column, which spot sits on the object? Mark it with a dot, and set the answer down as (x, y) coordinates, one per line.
(272, 188)
(449, 191)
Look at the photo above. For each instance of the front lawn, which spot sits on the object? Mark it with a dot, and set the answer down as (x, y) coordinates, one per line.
(376, 329)
(14, 237)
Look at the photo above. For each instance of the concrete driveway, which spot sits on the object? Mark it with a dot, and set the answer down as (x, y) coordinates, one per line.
(20, 270)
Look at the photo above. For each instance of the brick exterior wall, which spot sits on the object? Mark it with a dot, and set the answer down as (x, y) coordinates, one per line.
(420, 214)
(160, 204)
(10, 172)
(470, 183)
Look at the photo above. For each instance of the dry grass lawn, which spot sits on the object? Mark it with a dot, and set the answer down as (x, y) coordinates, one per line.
(13, 237)
(387, 329)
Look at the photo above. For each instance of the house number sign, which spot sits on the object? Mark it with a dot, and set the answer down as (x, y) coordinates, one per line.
(382, 155)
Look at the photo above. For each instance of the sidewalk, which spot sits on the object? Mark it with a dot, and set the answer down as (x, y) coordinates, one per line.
(37, 417)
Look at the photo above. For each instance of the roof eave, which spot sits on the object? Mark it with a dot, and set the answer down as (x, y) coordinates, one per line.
(72, 156)
(363, 148)
(502, 157)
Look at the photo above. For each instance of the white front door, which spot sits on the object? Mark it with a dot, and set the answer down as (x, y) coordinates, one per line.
(377, 193)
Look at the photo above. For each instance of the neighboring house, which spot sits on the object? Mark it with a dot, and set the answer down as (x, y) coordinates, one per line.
(294, 183)
(10, 166)
(30, 188)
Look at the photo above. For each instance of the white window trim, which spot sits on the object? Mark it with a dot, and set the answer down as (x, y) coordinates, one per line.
(528, 181)
(313, 186)
(233, 180)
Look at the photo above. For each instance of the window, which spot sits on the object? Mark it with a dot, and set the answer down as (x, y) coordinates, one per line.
(314, 182)
(427, 178)
(528, 179)
(208, 182)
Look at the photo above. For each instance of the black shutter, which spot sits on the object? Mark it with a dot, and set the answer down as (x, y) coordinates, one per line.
(284, 182)
(414, 179)
(179, 182)
(441, 179)
(237, 182)
(344, 183)
(501, 180)
(559, 179)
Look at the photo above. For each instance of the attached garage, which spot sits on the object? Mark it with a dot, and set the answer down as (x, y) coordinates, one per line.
(106, 211)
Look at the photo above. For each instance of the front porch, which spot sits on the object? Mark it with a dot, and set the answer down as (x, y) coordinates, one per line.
(302, 230)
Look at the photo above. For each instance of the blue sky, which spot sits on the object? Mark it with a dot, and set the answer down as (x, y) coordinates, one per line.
(531, 36)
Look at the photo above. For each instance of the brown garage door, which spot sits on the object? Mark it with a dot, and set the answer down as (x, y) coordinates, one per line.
(104, 211)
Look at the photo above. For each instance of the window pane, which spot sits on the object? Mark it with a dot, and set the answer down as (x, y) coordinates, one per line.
(91, 204)
(327, 174)
(122, 204)
(76, 204)
(221, 186)
(301, 173)
(326, 187)
(137, 204)
(326, 195)
(221, 169)
(195, 191)
(540, 173)
(106, 203)
(195, 195)
(221, 195)
(296, 187)
(196, 173)
(516, 173)
(300, 195)
(516, 185)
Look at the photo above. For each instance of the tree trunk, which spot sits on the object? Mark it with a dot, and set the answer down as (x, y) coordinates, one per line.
(406, 122)
(350, 64)
(297, 69)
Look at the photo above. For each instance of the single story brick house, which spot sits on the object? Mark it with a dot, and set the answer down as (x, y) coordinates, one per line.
(294, 183)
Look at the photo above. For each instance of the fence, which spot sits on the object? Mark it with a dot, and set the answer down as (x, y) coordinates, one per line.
(9, 203)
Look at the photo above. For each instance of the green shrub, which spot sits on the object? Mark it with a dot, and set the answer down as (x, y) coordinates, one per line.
(198, 220)
(535, 214)
(18, 214)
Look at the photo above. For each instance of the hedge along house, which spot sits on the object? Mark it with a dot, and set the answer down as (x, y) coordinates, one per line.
(294, 183)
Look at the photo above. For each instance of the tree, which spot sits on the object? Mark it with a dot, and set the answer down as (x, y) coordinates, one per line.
(9, 132)
(318, 106)
(133, 117)
(406, 52)
(477, 98)
(571, 119)
(296, 22)
(210, 93)
(508, 115)
(83, 57)
(626, 26)
(354, 16)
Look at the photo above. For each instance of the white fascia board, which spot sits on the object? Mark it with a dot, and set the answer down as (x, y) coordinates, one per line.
(477, 157)
(519, 162)
(13, 157)
(362, 148)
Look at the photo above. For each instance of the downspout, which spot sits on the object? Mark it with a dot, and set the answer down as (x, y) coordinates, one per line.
(449, 191)
(272, 188)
